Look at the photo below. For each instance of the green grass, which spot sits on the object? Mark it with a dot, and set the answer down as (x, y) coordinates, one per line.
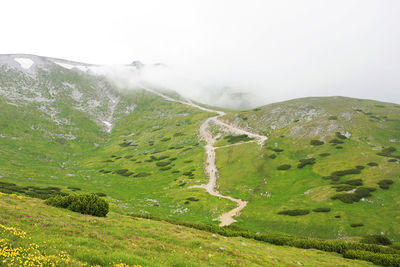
(116, 239)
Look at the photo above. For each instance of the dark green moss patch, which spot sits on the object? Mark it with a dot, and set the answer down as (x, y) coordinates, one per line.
(284, 167)
(294, 212)
(316, 143)
(304, 162)
(384, 184)
(322, 210)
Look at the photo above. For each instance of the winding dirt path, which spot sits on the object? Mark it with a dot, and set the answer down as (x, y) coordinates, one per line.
(211, 167)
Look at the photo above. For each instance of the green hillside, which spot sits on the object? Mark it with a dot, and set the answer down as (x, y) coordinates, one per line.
(328, 135)
(329, 169)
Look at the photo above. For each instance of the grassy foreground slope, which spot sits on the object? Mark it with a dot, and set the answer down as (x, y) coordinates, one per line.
(34, 233)
(330, 135)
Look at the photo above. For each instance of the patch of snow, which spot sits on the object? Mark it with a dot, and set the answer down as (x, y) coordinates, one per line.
(25, 63)
(70, 66)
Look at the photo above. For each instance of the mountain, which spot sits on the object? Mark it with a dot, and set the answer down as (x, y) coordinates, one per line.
(320, 167)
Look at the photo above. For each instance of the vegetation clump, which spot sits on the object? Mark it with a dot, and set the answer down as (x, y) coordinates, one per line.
(324, 154)
(316, 142)
(387, 152)
(336, 141)
(277, 150)
(296, 212)
(332, 118)
(237, 138)
(372, 164)
(355, 182)
(356, 224)
(284, 167)
(304, 162)
(163, 163)
(358, 194)
(90, 204)
(376, 239)
(344, 187)
(385, 183)
(272, 156)
(322, 210)
(340, 136)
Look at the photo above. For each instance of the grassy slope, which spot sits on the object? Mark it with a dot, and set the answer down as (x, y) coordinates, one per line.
(68, 238)
(247, 166)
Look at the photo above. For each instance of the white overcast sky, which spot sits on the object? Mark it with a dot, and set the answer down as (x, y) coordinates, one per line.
(274, 49)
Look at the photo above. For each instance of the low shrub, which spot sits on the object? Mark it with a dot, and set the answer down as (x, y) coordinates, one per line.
(272, 156)
(392, 160)
(294, 212)
(339, 147)
(284, 167)
(332, 118)
(387, 152)
(335, 141)
(141, 174)
(189, 173)
(90, 204)
(356, 224)
(188, 161)
(74, 188)
(355, 182)
(338, 216)
(277, 150)
(163, 163)
(322, 210)
(324, 154)
(316, 143)
(192, 199)
(165, 168)
(101, 194)
(304, 162)
(238, 138)
(376, 239)
(341, 188)
(340, 136)
(385, 183)
(359, 167)
(372, 164)
(376, 258)
(166, 139)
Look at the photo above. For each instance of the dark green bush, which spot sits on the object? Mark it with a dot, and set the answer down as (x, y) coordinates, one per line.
(332, 118)
(74, 188)
(238, 138)
(272, 156)
(355, 182)
(284, 167)
(316, 143)
(359, 167)
(346, 198)
(163, 163)
(192, 199)
(339, 147)
(356, 224)
(376, 239)
(189, 173)
(392, 160)
(90, 204)
(322, 210)
(324, 154)
(345, 187)
(178, 134)
(338, 216)
(385, 183)
(166, 139)
(387, 152)
(101, 194)
(277, 150)
(340, 136)
(141, 174)
(294, 212)
(376, 258)
(372, 164)
(188, 161)
(335, 141)
(304, 162)
(165, 168)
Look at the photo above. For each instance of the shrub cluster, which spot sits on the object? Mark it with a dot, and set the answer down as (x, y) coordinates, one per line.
(387, 152)
(376, 239)
(322, 210)
(32, 191)
(316, 143)
(340, 136)
(360, 193)
(304, 162)
(294, 212)
(344, 187)
(284, 167)
(90, 204)
(335, 141)
(335, 176)
(355, 182)
(356, 225)
(384, 184)
(370, 252)
(124, 172)
(372, 164)
(332, 118)
(324, 154)
(237, 138)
